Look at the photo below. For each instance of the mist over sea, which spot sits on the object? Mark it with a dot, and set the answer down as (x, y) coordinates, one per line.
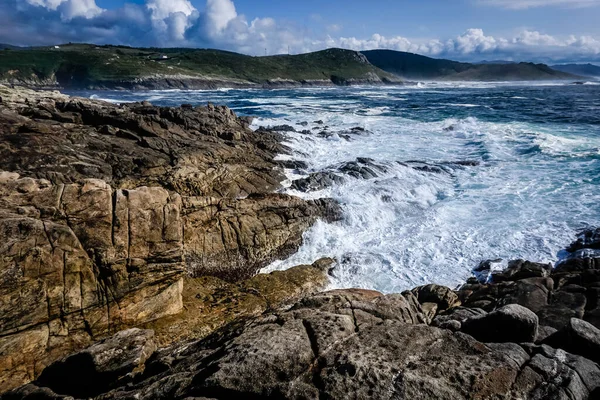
(472, 172)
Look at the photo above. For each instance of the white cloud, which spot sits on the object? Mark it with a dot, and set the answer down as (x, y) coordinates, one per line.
(218, 25)
(220, 13)
(162, 9)
(172, 17)
(70, 9)
(334, 27)
(80, 8)
(523, 4)
(49, 4)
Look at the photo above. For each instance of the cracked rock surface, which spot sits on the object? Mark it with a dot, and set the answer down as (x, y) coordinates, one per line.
(105, 209)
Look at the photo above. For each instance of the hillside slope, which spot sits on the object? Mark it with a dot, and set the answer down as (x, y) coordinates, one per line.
(88, 66)
(413, 66)
(589, 70)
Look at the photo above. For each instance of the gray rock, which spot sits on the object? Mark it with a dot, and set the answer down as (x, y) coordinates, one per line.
(577, 337)
(442, 296)
(511, 323)
(561, 308)
(588, 239)
(521, 269)
(458, 314)
(543, 332)
(317, 181)
(353, 344)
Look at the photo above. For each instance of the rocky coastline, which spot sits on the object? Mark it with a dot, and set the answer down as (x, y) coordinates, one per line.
(131, 240)
(189, 82)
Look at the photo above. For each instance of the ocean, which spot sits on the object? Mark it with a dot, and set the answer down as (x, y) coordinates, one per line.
(470, 172)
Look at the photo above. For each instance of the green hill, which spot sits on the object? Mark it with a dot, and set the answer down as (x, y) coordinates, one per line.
(413, 66)
(89, 66)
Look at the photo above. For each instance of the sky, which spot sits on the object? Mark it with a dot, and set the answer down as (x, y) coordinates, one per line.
(549, 31)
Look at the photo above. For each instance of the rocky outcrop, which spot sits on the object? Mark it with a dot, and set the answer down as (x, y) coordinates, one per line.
(349, 344)
(172, 247)
(211, 303)
(486, 340)
(105, 210)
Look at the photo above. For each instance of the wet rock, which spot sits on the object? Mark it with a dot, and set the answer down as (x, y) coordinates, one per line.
(317, 181)
(511, 323)
(293, 164)
(464, 163)
(588, 239)
(445, 167)
(282, 128)
(362, 168)
(521, 269)
(483, 271)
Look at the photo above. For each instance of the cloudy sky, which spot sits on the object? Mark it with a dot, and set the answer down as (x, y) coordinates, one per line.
(470, 30)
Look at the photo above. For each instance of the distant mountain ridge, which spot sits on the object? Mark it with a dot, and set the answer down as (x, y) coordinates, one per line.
(414, 66)
(589, 70)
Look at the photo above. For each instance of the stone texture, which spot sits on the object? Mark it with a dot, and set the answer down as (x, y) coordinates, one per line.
(104, 209)
(112, 361)
(511, 323)
(352, 344)
(442, 296)
(577, 337)
(211, 303)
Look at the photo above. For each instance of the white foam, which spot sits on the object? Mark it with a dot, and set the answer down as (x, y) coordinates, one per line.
(535, 185)
(410, 227)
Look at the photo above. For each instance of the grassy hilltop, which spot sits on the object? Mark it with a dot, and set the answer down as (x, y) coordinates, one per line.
(87, 66)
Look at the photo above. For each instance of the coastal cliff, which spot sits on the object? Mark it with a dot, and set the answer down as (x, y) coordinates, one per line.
(131, 239)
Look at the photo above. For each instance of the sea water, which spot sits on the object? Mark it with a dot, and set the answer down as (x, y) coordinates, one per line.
(531, 182)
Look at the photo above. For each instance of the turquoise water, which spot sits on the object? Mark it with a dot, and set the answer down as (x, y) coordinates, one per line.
(534, 181)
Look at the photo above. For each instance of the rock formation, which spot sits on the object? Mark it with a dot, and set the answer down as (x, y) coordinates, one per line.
(104, 209)
(483, 341)
(115, 217)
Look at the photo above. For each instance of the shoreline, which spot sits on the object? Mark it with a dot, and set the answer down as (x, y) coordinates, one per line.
(134, 86)
(134, 238)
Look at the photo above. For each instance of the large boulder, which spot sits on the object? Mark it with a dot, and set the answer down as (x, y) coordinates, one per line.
(511, 323)
(110, 362)
(577, 337)
(444, 297)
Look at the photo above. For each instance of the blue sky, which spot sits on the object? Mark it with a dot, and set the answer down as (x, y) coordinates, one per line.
(470, 30)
